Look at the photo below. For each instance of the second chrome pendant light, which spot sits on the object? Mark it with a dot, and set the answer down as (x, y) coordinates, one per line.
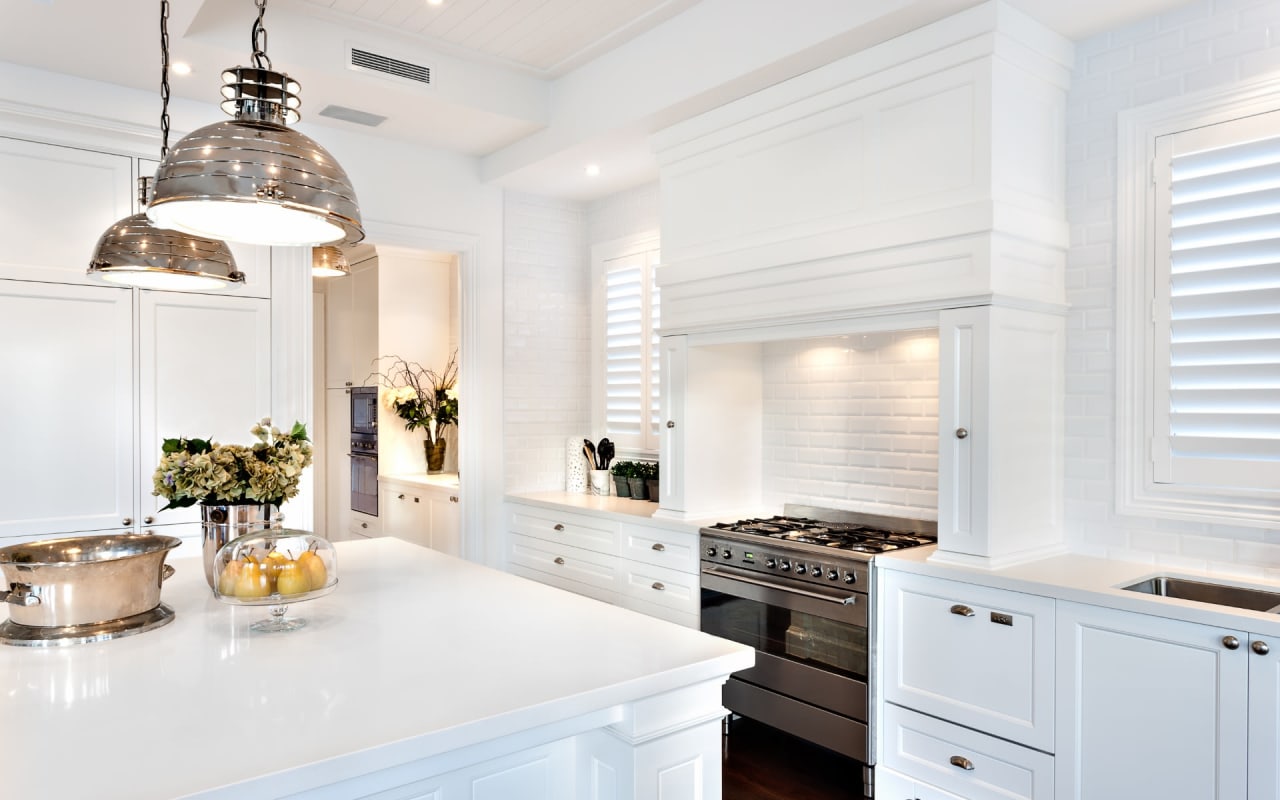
(252, 178)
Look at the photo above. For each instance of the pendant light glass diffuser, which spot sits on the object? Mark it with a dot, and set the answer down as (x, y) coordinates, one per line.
(135, 252)
(252, 178)
(329, 262)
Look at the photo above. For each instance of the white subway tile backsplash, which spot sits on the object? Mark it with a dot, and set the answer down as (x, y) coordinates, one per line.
(870, 405)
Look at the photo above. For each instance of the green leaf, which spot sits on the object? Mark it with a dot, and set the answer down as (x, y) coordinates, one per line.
(299, 431)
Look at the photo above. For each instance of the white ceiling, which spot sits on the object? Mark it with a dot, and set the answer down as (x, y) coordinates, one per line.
(535, 88)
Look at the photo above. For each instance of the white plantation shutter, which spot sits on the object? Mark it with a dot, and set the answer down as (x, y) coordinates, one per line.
(1216, 314)
(631, 382)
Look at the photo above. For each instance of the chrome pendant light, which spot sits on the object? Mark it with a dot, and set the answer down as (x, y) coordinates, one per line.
(329, 262)
(134, 252)
(252, 178)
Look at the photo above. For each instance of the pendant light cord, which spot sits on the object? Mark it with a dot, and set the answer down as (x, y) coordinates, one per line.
(164, 78)
(260, 59)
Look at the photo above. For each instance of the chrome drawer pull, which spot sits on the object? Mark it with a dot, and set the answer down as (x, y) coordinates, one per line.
(1230, 642)
(558, 527)
(559, 560)
(659, 546)
(961, 611)
(658, 585)
(1260, 647)
(961, 762)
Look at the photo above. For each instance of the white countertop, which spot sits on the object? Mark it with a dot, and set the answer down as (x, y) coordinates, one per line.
(415, 654)
(619, 508)
(1095, 581)
(448, 480)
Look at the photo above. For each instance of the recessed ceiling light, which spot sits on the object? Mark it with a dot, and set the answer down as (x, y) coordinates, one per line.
(180, 68)
(593, 170)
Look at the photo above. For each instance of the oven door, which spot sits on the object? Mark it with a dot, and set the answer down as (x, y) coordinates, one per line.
(364, 483)
(811, 641)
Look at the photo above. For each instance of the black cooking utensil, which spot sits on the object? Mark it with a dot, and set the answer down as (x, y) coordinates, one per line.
(589, 450)
(605, 452)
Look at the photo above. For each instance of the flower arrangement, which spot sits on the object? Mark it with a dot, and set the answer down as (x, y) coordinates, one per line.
(201, 471)
(422, 397)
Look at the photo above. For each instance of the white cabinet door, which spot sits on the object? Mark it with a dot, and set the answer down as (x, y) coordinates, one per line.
(405, 515)
(66, 415)
(205, 372)
(55, 202)
(364, 324)
(1150, 707)
(446, 521)
(337, 339)
(674, 357)
(337, 464)
(1264, 718)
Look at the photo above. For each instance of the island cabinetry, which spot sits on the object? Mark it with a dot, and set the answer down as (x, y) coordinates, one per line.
(643, 567)
(1153, 707)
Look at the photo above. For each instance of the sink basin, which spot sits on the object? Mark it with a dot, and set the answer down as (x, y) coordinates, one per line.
(1216, 593)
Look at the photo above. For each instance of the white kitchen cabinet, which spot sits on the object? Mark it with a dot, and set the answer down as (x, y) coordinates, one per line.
(351, 326)
(647, 568)
(363, 526)
(1000, 434)
(204, 371)
(972, 655)
(338, 333)
(711, 434)
(1264, 718)
(1152, 707)
(891, 785)
(421, 512)
(67, 416)
(972, 765)
(54, 205)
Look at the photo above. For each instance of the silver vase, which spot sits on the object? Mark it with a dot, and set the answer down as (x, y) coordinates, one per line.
(223, 522)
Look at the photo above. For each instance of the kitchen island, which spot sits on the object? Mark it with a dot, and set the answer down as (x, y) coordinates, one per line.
(421, 676)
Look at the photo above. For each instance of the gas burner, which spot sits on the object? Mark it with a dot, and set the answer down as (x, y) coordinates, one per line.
(854, 537)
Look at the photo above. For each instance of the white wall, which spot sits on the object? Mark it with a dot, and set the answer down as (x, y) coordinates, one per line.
(852, 422)
(547, 315)
(624, 214)
(1207, 44)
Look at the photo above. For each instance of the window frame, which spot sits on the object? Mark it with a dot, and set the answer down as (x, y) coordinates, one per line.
(601, 254)
(1137, 493)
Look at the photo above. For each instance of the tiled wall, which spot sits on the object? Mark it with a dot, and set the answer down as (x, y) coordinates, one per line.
(547, 323)
(547, 377)
(852, 422)
(1206, 44)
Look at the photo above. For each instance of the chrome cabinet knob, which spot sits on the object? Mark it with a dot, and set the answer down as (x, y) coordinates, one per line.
(400, 497)
(671, 423)
(659, 546)
(961, 762)
(558, 527)
(962, 433)
(1231, 642)
(961, 611)
(658, 585)
(127, 521)
(560, 561)
(453, 498)
(1260, 647)
(148, 520)
(364, 524)
(346, 383)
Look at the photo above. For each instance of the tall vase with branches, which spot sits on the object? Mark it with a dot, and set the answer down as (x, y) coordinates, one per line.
(423, 398)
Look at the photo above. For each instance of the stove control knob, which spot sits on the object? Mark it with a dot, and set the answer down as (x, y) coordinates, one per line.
(727, 553)
(785, 566)
(711, 551)
(815, 571)
(851, 577)
(800, 569)
(833, 575)
(771, 563)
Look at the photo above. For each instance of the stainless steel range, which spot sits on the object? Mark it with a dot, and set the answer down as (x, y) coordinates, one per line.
(798, 588)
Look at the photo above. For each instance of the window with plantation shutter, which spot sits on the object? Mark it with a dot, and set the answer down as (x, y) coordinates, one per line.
(628, 385)
(1216, 310)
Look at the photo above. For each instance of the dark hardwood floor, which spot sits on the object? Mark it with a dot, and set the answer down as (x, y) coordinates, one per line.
(763, 763)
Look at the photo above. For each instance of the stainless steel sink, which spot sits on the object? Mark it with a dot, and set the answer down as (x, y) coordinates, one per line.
(1216, 593)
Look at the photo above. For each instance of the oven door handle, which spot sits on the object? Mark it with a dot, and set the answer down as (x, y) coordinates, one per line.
(719, 573)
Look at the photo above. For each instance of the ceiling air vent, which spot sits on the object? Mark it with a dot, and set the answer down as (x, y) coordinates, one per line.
(366, 60)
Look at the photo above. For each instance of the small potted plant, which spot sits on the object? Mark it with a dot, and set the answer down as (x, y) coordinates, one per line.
(621, 471)
(635, 480)
(651, 480)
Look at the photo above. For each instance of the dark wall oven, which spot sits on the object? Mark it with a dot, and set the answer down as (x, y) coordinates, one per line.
(364, 449)
(799, 591)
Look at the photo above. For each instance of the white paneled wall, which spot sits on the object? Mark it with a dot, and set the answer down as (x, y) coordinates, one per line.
(1206, 44)
(852, 422)
(547, 321)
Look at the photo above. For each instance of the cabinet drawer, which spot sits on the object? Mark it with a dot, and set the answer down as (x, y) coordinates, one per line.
(583, 566)
(364, 524)
(676, 550)
(959, 760)
(688, 620)
(977, 656)
(560, 582)
(661, 586)
(575, 530)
